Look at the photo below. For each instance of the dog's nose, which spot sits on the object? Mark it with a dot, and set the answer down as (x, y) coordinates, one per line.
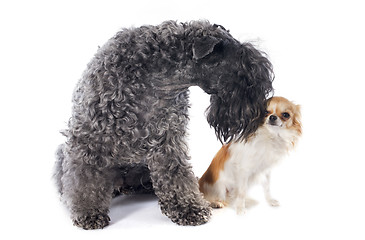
(273, 118)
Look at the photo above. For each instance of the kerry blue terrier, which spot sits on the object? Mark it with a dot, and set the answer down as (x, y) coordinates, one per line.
(130, 112)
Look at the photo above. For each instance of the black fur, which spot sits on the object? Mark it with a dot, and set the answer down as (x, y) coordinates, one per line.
(130, 114)
(238, 108)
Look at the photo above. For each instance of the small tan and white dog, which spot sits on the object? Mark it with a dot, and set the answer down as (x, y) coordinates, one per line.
(239, 164)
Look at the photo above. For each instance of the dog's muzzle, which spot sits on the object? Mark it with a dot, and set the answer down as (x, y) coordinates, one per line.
(273, 120)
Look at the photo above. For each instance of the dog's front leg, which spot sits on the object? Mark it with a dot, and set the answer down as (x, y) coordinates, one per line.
(267, 192)
(176, 186)
(241, 192)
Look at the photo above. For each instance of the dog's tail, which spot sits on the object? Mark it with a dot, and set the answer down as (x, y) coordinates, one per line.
(58, 169)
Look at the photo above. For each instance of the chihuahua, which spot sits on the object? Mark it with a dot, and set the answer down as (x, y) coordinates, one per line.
(239, 164)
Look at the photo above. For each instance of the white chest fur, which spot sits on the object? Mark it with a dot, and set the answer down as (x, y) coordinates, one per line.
(257, 155)
(248, 162)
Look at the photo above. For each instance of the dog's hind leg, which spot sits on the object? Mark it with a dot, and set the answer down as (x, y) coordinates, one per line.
(87, 191)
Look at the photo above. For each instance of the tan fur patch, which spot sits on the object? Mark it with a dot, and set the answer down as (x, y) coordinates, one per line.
(212, 173)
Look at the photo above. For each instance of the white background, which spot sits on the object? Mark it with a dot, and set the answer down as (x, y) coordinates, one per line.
(317, 49)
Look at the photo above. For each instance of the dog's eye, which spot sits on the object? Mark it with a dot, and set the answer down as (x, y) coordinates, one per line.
(267, 112)
(285, 115)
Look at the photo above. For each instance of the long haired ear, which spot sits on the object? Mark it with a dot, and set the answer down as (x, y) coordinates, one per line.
(238, 109)
(298, 119)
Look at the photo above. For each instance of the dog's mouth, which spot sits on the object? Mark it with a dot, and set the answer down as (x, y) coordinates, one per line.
(274, 124)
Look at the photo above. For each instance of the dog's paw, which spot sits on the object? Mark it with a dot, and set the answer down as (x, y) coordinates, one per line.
(88, 222)
(217, 204)
(193, 217)
(241, 211)
(273, 202)
(189, 215)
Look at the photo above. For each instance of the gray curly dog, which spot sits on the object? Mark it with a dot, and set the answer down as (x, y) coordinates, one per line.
(130, 114)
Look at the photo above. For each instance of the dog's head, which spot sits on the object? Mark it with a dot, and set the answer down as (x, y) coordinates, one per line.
(239, 82)
(283, 115)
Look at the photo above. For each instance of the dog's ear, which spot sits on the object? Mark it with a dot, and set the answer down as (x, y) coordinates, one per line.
(298, 119)
(204, 46)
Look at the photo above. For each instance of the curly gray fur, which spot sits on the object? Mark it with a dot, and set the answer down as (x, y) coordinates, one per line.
(130, 112)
